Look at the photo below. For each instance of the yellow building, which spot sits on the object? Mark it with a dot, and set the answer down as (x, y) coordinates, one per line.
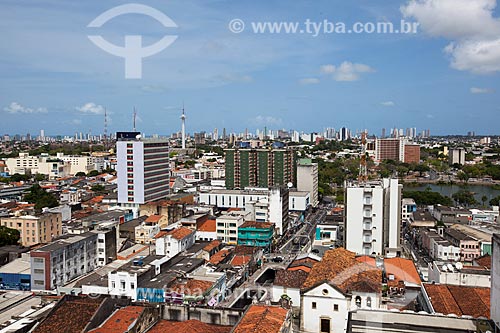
(34, 230)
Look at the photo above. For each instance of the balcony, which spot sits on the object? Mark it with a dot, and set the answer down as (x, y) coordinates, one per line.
(367, 239)
(367, 227)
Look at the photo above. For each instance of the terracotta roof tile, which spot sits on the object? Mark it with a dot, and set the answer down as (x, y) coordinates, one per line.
(71, 315)
(290, 279)
(153, 219)
(191, 287)
(484, 261)
(459, 300)
(180, 233)
(403, 270)
(207, 226)
(339, 267)
(262, 319)
(212, 245)
(121, 320)
(189, 326)
(368, 260)
(219, 257)
(240, 260)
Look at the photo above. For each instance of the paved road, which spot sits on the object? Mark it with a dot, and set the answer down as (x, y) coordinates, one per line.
(19, 308)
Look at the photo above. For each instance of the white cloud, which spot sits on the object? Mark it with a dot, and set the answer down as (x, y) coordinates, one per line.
(475, 90)
(471, 27)
(309, 80)
(388, 103)
(91, 108)
(347, 71)
(267, 120)
(480, 57)
(15, 107)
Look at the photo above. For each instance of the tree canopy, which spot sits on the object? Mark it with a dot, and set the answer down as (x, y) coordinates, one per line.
(40, 197)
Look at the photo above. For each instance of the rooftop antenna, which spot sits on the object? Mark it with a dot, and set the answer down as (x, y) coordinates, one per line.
(183, 128)
(363, 172)
(135, 116)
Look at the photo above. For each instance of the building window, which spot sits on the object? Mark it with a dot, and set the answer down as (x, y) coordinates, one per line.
(369, 302)
(313, 306)
(335, 307)
(358, 301)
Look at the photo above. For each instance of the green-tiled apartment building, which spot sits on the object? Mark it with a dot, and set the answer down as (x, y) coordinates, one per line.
(259, 167)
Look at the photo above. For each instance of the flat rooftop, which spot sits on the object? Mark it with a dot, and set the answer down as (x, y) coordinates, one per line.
(18, 266)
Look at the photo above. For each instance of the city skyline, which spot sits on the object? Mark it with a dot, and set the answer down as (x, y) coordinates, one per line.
(55, 78)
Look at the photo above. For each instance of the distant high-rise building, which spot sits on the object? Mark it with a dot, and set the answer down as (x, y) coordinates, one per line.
(307, 179)
(345, 134)
(383, 133)
(142, 168)
(373, 214)
(42, 135)
(456, 156)
(259, 167)
(397, 149)
(215, 135)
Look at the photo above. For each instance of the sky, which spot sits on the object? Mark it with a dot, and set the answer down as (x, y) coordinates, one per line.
(445, 77)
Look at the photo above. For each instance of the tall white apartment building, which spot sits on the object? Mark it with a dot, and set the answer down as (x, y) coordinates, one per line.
(307, 179)
(142, 168)
(373, 214)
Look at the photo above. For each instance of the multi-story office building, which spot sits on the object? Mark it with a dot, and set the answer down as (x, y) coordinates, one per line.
(51, 166)
(252, 233)
(228, 224)
(143, 169)
(259, 167)
(397, 149)
(37, 229)
(80, 163)
(71, 256)
(264, 205)
(373, 214)
(307, 179)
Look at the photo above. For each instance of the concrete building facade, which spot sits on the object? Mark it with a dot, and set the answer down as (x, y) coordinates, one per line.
(307, 179)
(37, 229)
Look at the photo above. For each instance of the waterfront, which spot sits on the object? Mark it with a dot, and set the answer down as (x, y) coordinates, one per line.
(479, 190)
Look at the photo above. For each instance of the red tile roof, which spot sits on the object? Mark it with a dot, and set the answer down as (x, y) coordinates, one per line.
(207, 226)
(340, 268)
(484, 261)
(368, 260)
(189, 326)
(459, 300)
(71, 315)
(191, 287)
(403, 270)
(153, 219)
(121, 320)
(212, 245)
(240, 260)
(290, 279)
(218, 257)
(180, 233)
(262, 319)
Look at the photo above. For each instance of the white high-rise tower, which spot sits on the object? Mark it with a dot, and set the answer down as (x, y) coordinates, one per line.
(183, 118)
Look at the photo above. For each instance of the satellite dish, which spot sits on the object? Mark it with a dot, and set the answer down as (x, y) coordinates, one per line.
(290, 185)
(138, 136)
(444, 268)
(459, 265)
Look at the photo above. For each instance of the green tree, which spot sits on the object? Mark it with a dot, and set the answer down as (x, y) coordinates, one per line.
(41, 198)
(9, 236)
(98, 188)
(484, 199)
(464, 197)
(428, 197)
(39, 177)
(495, 201)
(93, 173)
(461, 175)
(80, 174)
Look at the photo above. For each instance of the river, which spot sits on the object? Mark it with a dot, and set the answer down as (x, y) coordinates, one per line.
(448, 190)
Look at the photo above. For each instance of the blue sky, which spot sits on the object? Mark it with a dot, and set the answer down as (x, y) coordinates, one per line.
(445, 78)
